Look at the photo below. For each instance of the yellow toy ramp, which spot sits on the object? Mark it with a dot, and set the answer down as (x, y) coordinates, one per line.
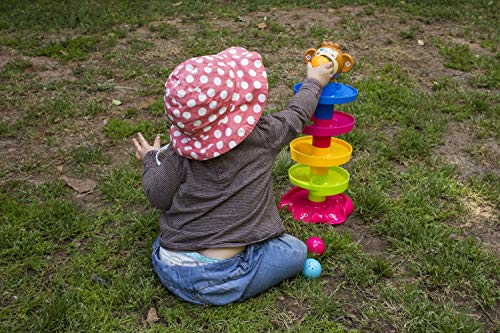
(303, 151)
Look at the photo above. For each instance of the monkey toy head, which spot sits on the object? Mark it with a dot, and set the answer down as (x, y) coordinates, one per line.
(329, 52)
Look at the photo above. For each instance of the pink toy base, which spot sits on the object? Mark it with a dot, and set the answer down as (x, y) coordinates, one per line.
(334, 210)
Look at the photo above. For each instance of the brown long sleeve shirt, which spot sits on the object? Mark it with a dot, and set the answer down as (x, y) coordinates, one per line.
(226, 201)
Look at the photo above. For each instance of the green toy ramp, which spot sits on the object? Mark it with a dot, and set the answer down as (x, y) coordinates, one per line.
(334, 182)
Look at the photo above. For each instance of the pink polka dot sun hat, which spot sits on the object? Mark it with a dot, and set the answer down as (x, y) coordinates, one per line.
(214, 102)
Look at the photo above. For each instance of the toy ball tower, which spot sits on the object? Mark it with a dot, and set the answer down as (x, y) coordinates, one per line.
(320, 181)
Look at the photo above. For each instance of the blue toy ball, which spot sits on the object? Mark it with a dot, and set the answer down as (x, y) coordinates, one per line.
(312, 269)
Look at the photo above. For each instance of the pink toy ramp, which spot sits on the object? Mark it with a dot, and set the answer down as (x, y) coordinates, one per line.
(334, 210)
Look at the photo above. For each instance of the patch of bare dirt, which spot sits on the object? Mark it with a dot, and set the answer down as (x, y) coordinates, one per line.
(459, 142)
(481, 217)
(362, 233)
(49, 69)
(353, 300)
(4, 59)
(291, 313)
(481, 220)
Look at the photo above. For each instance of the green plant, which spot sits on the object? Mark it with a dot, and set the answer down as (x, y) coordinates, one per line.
(459, 57)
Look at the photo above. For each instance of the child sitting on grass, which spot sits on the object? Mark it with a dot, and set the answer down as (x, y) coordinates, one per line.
(222, 239)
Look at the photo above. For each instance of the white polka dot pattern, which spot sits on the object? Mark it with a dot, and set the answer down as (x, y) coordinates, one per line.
(214, 102)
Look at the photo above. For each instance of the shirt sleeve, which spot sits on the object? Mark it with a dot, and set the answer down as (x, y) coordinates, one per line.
(161, 182)
(282, 127)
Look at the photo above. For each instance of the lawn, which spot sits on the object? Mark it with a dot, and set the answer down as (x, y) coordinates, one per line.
(421, 251)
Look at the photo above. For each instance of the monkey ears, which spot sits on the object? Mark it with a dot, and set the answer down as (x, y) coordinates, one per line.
(308, 55)
(348, 62)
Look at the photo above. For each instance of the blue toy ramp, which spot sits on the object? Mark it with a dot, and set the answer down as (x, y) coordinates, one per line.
(334, 93)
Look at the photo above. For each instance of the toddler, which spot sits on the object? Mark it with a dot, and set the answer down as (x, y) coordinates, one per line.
(222, 239)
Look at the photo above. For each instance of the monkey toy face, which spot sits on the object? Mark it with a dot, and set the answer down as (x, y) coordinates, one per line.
(329, 52)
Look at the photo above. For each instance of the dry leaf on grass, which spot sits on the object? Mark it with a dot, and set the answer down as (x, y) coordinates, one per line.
(261, 25)
(152, 316)
(81, 186)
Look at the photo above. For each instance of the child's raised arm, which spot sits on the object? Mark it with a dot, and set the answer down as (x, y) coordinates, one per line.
(282, 127)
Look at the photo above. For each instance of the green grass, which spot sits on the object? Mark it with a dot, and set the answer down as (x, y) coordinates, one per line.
(86, 160)
(70, 49)
(90, 80)
(92, 109)
(459, 57)
(487, 186)
(117, 128)
(86, 154)
(486, 73)
(120, 187)
(13, 68)
(164, 30)
(408, 301)
(409, 259)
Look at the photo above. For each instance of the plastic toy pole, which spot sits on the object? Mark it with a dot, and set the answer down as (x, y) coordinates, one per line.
(319, 179)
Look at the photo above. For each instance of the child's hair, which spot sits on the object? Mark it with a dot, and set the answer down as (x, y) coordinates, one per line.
(214, 102)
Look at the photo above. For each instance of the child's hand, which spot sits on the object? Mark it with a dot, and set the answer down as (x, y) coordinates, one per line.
(322, 73)
(142, 146)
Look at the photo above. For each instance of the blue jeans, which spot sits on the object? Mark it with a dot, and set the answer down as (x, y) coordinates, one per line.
(259, 267)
